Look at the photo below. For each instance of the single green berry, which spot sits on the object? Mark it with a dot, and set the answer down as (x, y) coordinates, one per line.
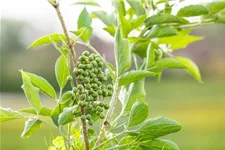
(83, 96)
(94, 86)
(95, 80)
(90, 122)
(94, 63)
(101, 104)
(85, 73)
(75, 71)
(88, 66)
(110, 87)
(99, 83)
(96, 71)
(88, 117)
(91, 91)
(91, 58)
(83, 117)
(98, 59)
(92, 75)
(100, 64)
(82, 58)
(95, 94)
(80, 77)
(86, 80)
(85, 53)
(104, 79)
(99, 109)
(102, 116)
(69, 78)
(80, 71)
(80, 87)
(110, 93)
(81, 66)
(100, 92)
(75, 90)
(106, 106)
(87, 86)
(80, 103)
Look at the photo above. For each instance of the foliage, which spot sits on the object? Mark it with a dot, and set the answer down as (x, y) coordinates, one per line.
(145, 34)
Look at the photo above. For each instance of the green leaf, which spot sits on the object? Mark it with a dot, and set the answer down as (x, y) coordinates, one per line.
(137, 6)
(31, 92)
(215, 7)
(56, 37)
(179, 41)
(84, 33)
(134, 75)
(122, 53)
(45, 87)
(110, 29)
(136, 93)
(157, 127)
(150, 58)
(8, 114)
(126, 26)
(192, 10)
(107, 19)
(127, 140)
(161, 31)
(160, 144)
(163, 19)
(31, 126)
(119, 7)
(140, 48)
(138, 114)
(67, 96)
(89, 3)
(45, 111)
(220, 19)
(61, 71)
(138, 21)
(84, 19)
(67, 115)
(168, 63)
(191, 67)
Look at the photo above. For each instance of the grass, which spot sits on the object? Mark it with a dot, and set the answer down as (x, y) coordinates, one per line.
(200, 108)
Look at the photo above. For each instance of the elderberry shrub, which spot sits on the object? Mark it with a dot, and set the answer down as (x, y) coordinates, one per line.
(91, 89)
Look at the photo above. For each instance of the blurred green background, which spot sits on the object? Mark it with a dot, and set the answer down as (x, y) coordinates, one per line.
(200, 108)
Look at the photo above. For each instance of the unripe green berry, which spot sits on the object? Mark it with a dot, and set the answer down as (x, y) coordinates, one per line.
(100, 64)
(83, 117)
(100, 109)
(88, 66)
(91, 91)
(80, 87)
(75, 90)
(85, 73)
(80, 77)
(88, 117)
(75, 71)
(102, 116)
(92, 75)
(80, 103)
(90, 122)
(86, 80)
(83, 96)
(94, 86)
(95, 80)
(80, 71)
(94, 63)
(69, 78)
(95, 94)
(101, 104)
(110, 87)
(85, 53)
(100, 92)
(110, 93)
(81, 66)
(87, 86)
(106, 106)
(96, 70)
(97, 59)
(82, 58)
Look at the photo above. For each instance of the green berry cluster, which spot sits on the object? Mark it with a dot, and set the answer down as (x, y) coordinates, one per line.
(91, 89)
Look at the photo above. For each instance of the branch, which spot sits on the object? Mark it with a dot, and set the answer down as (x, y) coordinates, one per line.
(72, 49)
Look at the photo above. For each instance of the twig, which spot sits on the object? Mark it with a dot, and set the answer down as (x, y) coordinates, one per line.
(72, 49)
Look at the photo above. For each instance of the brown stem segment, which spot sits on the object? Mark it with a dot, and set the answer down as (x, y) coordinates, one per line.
(74, 63)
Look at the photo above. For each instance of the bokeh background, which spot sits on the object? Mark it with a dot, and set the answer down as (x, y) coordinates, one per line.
(200, 108)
